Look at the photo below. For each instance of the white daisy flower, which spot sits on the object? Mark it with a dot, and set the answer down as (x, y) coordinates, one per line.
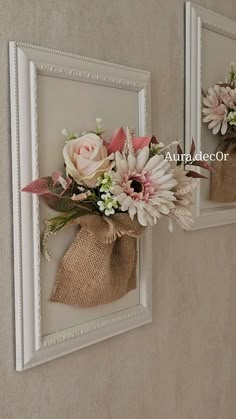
(215, 109)
(143, 185)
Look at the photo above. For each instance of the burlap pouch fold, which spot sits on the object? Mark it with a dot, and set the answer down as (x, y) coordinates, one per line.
(100, 265)
(223, 180)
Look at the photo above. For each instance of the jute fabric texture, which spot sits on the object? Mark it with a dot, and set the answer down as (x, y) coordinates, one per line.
(223, 180)
(100, 265)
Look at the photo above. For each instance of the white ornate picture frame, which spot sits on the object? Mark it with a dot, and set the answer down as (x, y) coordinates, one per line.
(40, 79)
(210, 47)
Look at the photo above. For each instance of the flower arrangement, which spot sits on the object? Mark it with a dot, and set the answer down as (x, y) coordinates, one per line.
(112, 191)
(219, 105)
(219, 112)
(127, 175)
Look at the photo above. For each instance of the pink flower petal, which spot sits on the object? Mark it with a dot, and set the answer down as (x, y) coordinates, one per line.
(117, 141)
(56, 176)
(141, 142)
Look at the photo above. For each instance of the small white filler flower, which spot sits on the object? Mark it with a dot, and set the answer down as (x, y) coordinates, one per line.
(108, 204)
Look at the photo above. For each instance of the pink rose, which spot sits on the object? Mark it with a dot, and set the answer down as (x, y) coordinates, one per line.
(86, 159)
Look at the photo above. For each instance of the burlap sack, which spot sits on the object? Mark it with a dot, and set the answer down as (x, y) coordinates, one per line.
(100, 265)
(223, 180)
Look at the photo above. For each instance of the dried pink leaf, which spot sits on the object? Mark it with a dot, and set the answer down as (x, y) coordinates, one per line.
(39, 186)
(193, 174)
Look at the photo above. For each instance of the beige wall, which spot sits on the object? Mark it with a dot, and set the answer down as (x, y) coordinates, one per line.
(182, 366)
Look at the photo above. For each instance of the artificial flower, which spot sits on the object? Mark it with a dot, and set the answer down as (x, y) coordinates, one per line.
(215, 111)
(86, 159)
(232, 118)
(108, 204)
(138, 180)
(99, 127)
(143, 185)
(106, 182)
(81, 196)
(228, 96)
(58, 178)
(69, 135)
(156, 148)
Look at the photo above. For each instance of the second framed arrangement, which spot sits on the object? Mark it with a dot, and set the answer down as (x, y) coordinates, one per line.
(209, 99)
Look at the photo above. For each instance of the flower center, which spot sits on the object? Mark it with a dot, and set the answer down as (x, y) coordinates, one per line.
(136, 186)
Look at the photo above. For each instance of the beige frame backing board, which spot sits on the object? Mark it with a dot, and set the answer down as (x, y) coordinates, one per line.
(210, 48)
(52, 90)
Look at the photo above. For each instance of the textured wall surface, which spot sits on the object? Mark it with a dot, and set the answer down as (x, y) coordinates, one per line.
(182, 366)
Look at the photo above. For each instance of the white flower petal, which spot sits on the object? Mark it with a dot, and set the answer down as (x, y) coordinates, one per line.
(120, 198)
(131, 161)
(154, 162)
(132, 210)
(157, 175)
(150, 219)
(117, 190)
(216, 129)
(213, 124)
(163, 164)
(165, 178)
(224, 127)
(142, 219)
(153, 211)
(142, 158)
(163, 209)
(122, 166)
(168, 185)
(126, 203)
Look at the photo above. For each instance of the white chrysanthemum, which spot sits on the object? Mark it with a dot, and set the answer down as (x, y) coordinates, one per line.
(143, 185)
(182, 212)
(228, 96)
(215, 110)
